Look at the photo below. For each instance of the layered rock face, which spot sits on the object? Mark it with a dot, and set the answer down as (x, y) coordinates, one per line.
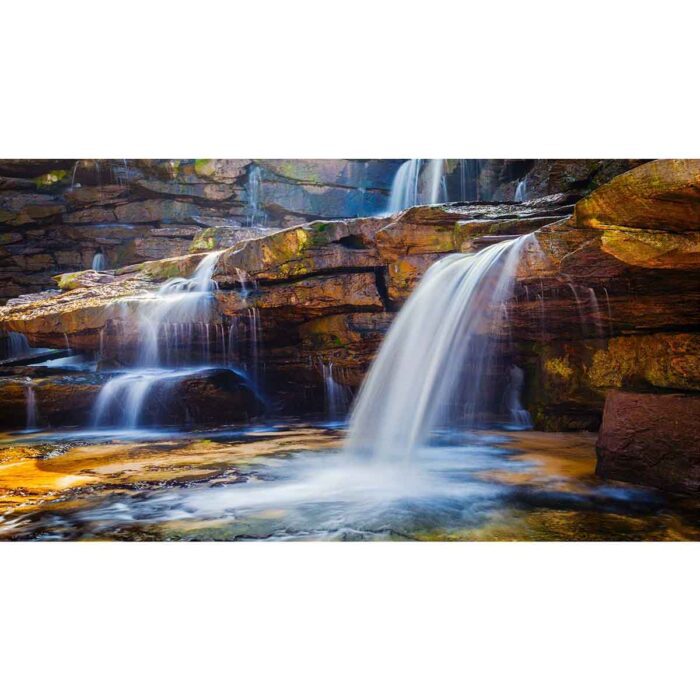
(59, 216)
(292, 302)
(610, 298)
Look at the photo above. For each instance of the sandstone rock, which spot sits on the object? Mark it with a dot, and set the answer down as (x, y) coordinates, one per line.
(94, 215)
(651, 439)
(161, 210)
(662, 360)
(220, 170)
(376, 174)
(319, 246)
(19, 209)
(220, 237)
(207, 191)
(90, 196)
(319, 296)
(663, 195)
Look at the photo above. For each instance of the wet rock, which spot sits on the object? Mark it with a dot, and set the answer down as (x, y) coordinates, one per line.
(651, 439)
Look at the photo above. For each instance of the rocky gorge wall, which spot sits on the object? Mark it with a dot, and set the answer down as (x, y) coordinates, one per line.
(606, 303)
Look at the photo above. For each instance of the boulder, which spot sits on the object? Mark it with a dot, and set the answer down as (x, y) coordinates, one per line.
(651, 439)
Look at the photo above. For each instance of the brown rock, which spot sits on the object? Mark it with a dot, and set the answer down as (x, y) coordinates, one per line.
(663, 194)
(651, 439)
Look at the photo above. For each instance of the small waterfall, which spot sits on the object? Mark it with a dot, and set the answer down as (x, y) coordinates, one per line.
(15, 345)
(418, 182)
(256, 214)
(436, 185)
(521, 190)
(595, 309)
(175, 322)
(439, 364)
(99, 262)
(469, 185)
(337, 396)
(30, 407)
(254, 342)
(518, 415)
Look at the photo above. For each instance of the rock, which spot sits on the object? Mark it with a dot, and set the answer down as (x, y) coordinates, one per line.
(90, 196)
(220, 170)
(367, 174)
(661, 360)
(219, 237)
(160, 210)
(213, 192)
(651, 439)
(94, 215)
(316, 201)
(19, 209)
(318, 296)
(661, 195)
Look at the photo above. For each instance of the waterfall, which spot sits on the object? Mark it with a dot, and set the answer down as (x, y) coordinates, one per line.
(518, 415)
(30, 406)
(99, 262)
(15, 345)
(436, 186)
(256, 215)
(438, 366)
(416, 183)
(521, 190)
(469, 185)
(174, 322)
(337, 396)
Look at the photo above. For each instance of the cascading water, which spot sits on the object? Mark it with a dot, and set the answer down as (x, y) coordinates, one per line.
(30, 407)
(438, 365)
(99, 262)
(174, 325)
(256, 214)
(521, 190)
(418, 182)
(337, 396)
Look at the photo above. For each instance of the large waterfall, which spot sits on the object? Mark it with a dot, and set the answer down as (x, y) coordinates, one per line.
(439, 365)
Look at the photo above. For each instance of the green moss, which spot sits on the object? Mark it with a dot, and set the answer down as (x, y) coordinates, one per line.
(51, 178)
(203, 167)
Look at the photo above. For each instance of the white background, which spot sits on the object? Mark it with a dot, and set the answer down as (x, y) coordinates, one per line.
(352, 79)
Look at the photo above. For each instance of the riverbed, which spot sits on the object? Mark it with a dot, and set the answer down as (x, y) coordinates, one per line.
(293, 481)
